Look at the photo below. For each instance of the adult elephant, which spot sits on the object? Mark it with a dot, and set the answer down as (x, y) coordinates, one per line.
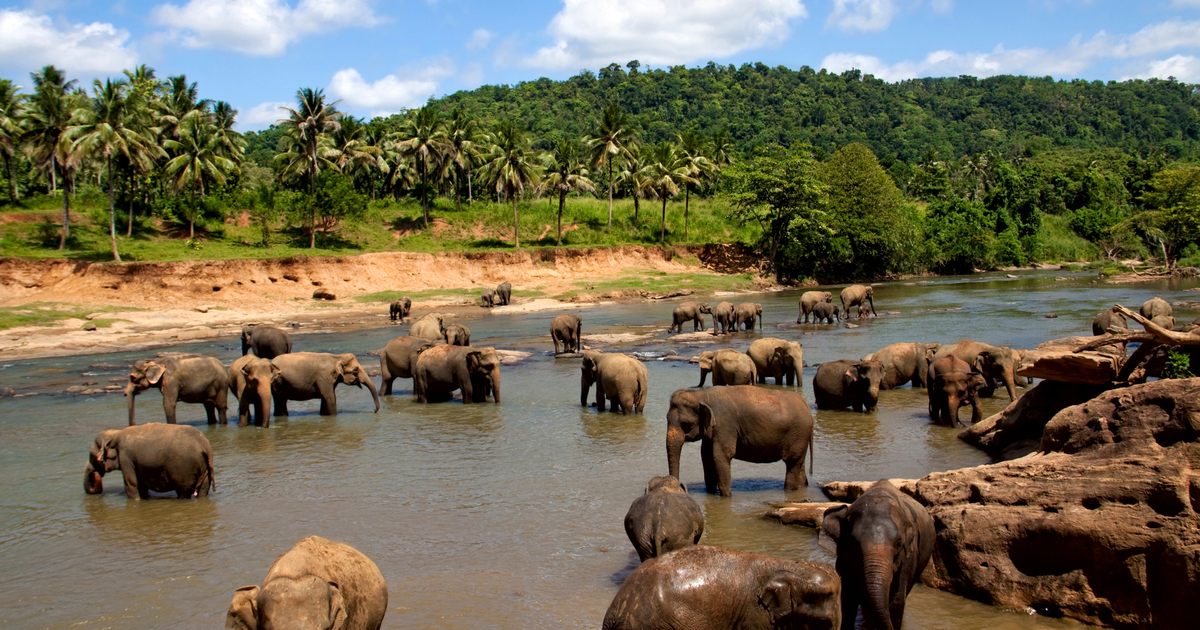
(996, 363)
(883, 541)
(399, 309)
(202, 380)
(251, 379)
(457, 335)
(567, 329)
(399, 358)
(723, 322)
(1155, 307)
(312, 375)
(318, 584)
(1108, 319)
(740, 422)
(728, 367)
(904, 362)
(152, 457)
(442, 369)
(809, 300)
(854, 384)
(689, 311)
(858, 295)
(779, 358)
(488, 298)
(952, 382)
(663, 519)
(622, 379)
(711, 588)
(267, 342)
(825, 313)
(504, 293)
(429, 326)
(745, 314)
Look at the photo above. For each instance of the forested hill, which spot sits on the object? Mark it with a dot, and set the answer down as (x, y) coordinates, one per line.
(760, 105)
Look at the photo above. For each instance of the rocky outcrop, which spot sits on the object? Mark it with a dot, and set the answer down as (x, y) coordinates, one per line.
(1017, 430)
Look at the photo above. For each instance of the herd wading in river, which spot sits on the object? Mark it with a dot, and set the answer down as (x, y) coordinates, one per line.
(883, 539)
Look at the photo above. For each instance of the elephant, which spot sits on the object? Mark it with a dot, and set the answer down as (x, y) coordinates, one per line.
(622, 379)
(159, 457)
(457, 335)
(398, 358)
(399, 309)
(488, 296)
(883, 541)
(825, 313)
(694, 311)
(442, 369)
(857, 295)
(745, 314)
(663, 519)
(429, 326)
(904, 362)
(712, 588)
(854, 384)
(1108, 319)
(951, 382)
(182, 379)
(779, 358)
(742, 422)
(504, 293)
(1165, 321)
(996, 363)
(723, 319)
(809, 300)
(728, 367)
(567, 328)
(318, 584)
(1155, 307)
(251, 379)
(267, 342)
(309, 375)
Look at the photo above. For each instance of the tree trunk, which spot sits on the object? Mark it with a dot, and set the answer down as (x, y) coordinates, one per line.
(610, 192)
(129, 228)
(562, 200)
(663, 237)
(66, 231)
(13, 195)
(112, 216)
(687, 196)
(424, 195)
(516, 237)
(53, 176)
(470, 200)
(635, 208)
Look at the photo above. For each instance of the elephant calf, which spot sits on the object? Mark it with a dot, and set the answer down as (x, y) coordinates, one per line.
(317, 584)
(620, 378)
(567, 329)
(779, 358)
(728, 367)
(457, 335)
(152, 457)
(689, 311)
(663, 519)
(952, 381)
(201, 380)
(825, 313)
(398, 359)
(854, 384)
(251, 379)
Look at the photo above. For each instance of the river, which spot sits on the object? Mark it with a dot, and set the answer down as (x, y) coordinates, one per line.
(481, 516)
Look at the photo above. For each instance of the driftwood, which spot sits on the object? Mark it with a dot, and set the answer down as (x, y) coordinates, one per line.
(1065, 360)
(848, 491)
(1156, 343)
(805, 514)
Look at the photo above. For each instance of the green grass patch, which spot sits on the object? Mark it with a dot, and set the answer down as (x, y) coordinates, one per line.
(701, 283)
(49, 313)
(1056, 241)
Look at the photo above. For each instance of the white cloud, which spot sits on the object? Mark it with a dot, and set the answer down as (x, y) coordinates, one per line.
(942, 6)
(1160, 37)
(29, 40)
(1185, 68)
(862, 16)
(479, 39)
(258, 27)
(591, 33)
(391, 93)
(262, 115)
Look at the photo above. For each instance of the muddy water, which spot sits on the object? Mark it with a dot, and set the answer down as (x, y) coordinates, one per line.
(479, 516)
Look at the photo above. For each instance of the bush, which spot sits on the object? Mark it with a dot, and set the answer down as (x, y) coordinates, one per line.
(1179, 365)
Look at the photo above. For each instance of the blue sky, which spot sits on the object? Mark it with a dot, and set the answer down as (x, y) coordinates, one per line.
(381, 56)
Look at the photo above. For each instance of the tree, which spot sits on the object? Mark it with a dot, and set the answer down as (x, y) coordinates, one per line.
(308, 124)
(510, 165)
(336, 200)
(422, 137)
(691, 151)
(1172, 218)
(197, 155)
(873, 236)
(47, 118)
(665, 170)
(565, 173)
(960, 237)
(180, 100)
(462, 138)
(721, 153)
(348, 148)
(11, 106)
(613, 139)
(632, 173)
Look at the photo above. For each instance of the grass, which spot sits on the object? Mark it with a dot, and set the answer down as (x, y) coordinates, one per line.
(701, 283)
(48, 313)
(1058, 242)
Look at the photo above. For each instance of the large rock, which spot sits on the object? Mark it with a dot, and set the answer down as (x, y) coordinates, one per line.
(1017, 430)
(1101, 525)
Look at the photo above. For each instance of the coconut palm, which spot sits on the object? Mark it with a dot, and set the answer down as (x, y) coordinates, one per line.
(565, 173)
(665, 171)
(198, 154)
(178, 102)
(306, 127)
(47, 117)
(462, 139)
(721, 152)
(511, 166)
(613, 139)
(349, 149)
(423, 137)
(632, 175)
(11, 111)
(691, 151)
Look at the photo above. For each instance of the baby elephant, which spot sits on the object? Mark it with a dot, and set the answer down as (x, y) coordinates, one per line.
(663, 519)
(825, 313)
(854, 384)
(952, 382)
(318, 584)
(728, 367)
(622, 379)
(399, 309)
(457, 335)
(160, 457)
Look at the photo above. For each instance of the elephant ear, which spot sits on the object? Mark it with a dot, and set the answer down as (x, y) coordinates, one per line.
(473, 360)
(337, 608)
(706, 421)
(275, 372)
(345, 363)
(706, 360)
(980, 363)
(154, 372)
(243, 610)
(831, 527)
(850, 377)
(976, 382)
(776, 597)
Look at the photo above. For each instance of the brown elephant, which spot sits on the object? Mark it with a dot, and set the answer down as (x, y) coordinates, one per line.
(858, 295)
(663, 519)
(854, 384)
(266, 342)
(398, 358)
(722, 315)
(996, 363)
(745, 314)
(251, 379)
(312, 375)
(442, 369)
(488, 298)
(152, 457)
(1155, 307)
(904, 362)
(202, 380)
(712, 588)
(809, 300)
(318, 584)
(504, 293)
(689, 311)
(952, 382)
(457, 335)
(728, 367)
(567, 328)
(779, 358)
(430, 326)
(1108, 319)
(399, 309)
(826, 313)
(622, 379)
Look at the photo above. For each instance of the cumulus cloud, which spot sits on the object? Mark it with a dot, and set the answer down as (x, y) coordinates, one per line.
(662, 32)
(262, 115)
(479, 39)
(29, 40)
(391, 93)
(258, 27)
(1185, 68)
(862, 16)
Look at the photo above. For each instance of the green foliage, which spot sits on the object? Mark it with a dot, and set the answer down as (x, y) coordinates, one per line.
(961, 240)
(1179, 365)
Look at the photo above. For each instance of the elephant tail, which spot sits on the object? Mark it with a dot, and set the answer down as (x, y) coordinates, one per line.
(212, 473)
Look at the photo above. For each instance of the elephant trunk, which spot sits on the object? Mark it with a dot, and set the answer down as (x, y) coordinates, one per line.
(366, 380)
(130, 394)
(704, 377)
(494, 381)
(877, 583)
(585, 389)
(1009, 384)
(871, 301)
(264, 404)
(91, 480)
(873, 395)
(675, 440)
(952, 404)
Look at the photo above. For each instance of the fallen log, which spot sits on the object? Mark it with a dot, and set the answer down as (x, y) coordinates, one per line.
(848, 491)
(804, 514)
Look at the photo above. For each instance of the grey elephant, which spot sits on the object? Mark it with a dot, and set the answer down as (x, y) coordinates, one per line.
(904, 362)
(399, 309)
(996, 363)
(854, 384)
(728, 367)
(152, 457)
(201, 380)
(809, 300)
(1108, 319)
(779, 358)
(398, 359)
(504, 293)
(858, 295)
(825, 313)
(318, 584)
(315, 375)
(443, 369)
(689, 311)
(712, 588)
(1165, 321)
(488, 298)
(743, 422)
(663, 519)
(266, 342)
(251, 380)
(746, 314)
(429, 326)
(1156, 306)
(722, 315)
(567, 329)
(883, 541)
(457, 335)
(622, 379)
(952, 382)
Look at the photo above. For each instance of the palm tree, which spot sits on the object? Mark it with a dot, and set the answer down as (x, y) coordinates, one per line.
(691, 151)
(197, 155)
(47, 118)
(632, 174)
(614, 139)
(423, 137)
(178, 102)
(349, 149)
(11, 111)
(463, 141)
(307, 125)
(511, 166)
(665, 170)
(565, 173)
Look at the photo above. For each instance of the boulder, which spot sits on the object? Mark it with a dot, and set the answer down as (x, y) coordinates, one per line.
(848, 491)
(805, 514)
(322, 294)
(1017, 430)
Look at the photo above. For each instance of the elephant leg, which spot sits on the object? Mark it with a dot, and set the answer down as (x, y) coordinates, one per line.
(795, 477)
(721, 466)
(627, 404)
(710, 469)
(281, 405)
(328, 400)
(850, 602)
(599, 397)
(169, 401)
(244, 411)
(387, 385)
(210, 410)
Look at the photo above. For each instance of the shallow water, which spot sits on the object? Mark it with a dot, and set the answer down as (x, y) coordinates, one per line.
(494, 516)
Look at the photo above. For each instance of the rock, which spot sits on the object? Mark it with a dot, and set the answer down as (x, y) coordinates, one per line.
(1051, 315)
(373, 373)
(91, 392)
(1017, 430)
(1011, 275)
(568, 355)
(1057, 361)
(805, 514)
(289, 276)
(75, 389)
(88, 383)
(662, 295)
(116, 379)
(848, 491)
(91, 316)
(852, 325)
(7, 392)
(113, 388)
(201, 309)
(322, 294)
(89, 326)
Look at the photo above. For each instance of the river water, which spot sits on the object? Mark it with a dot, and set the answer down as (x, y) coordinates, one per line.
(481, 516)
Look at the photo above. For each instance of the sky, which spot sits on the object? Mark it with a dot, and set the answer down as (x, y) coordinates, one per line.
(383, 56)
